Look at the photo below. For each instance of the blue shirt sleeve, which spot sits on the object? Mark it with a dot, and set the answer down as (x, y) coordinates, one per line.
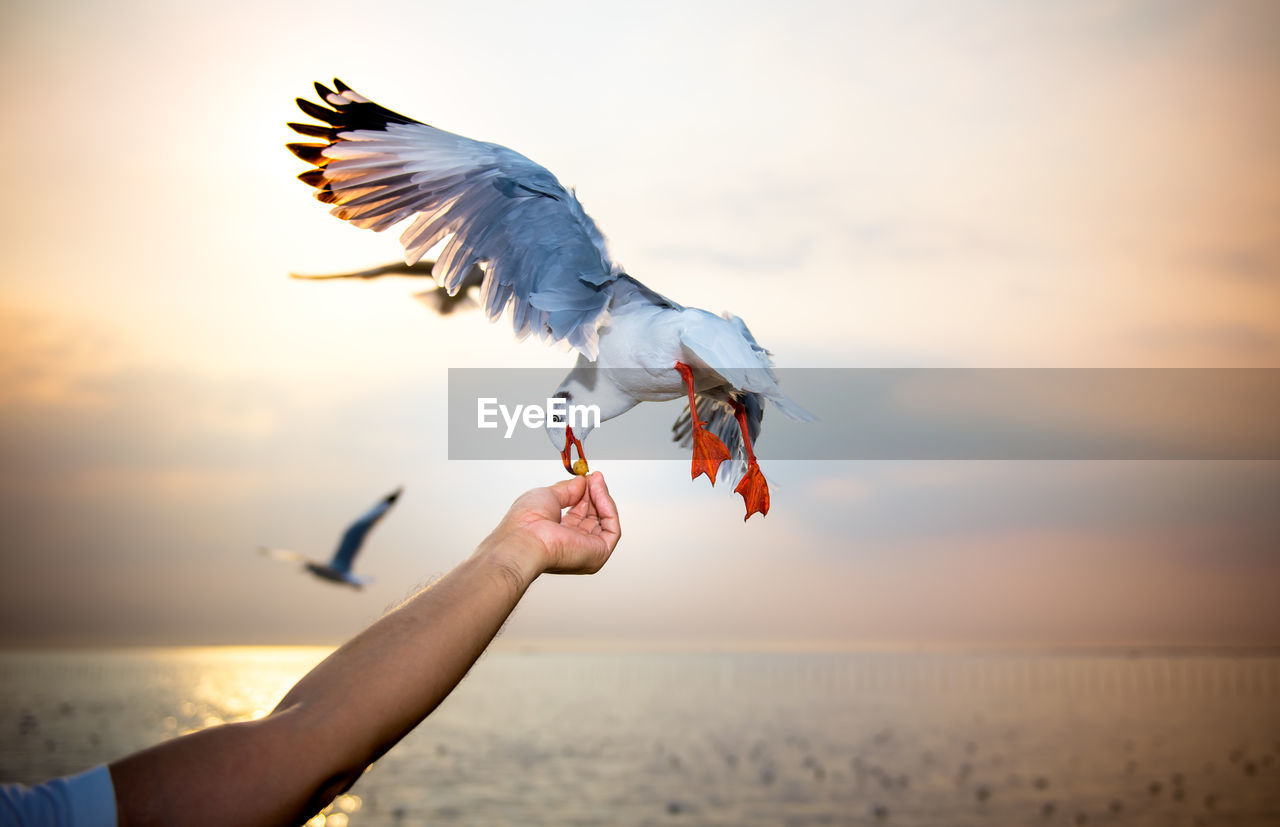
(84, 800)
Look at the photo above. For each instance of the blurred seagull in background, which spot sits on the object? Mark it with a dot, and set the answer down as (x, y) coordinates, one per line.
(338, 569)
(524, 241)
(437, 298)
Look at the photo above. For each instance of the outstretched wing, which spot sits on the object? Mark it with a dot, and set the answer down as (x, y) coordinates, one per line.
(353, 538)
(284, 555)
(437, 298)
(542, 254)
(419, 269)
(719, 419)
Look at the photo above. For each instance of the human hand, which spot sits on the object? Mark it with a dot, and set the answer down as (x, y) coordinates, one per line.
(568, 528)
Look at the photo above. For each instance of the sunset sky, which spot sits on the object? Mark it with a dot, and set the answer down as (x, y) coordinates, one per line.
(968, 184)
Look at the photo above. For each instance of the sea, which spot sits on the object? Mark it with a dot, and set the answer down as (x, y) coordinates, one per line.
(575, 736)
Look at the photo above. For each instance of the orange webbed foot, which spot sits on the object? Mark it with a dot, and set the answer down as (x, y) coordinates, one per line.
(708, 453)
(754, 491)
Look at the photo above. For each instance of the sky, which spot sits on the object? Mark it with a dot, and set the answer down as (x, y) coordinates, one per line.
(973, 184)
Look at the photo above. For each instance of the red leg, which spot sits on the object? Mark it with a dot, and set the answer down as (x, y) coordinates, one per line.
(708, 450)
(753, 488)
(579, 467)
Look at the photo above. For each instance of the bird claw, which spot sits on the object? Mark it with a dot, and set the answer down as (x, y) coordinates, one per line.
(708, 453)
(754, 491)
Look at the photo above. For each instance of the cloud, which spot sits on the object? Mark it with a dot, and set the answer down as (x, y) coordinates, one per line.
(985, 185)
(156, 495)
(1194, 515)
(133, 496)
(1257, 265)
(47, 360)
(1227, 343)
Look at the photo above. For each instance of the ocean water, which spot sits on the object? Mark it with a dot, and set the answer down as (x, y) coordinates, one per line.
(729, 738)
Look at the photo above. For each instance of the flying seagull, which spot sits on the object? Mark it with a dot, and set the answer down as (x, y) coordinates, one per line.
(338, 569)
(438, 298)
(545, 262)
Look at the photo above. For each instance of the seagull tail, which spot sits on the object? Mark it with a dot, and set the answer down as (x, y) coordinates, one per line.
(790, 408)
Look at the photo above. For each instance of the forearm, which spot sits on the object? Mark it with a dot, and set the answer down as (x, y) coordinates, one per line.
(344, 714)
(383, 682)
(362, 699)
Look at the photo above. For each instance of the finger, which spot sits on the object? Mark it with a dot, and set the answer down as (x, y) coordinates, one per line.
(569, 492)
(583, 507)
(571, 518)
(581, 516)
(606, 509)
(580, 511)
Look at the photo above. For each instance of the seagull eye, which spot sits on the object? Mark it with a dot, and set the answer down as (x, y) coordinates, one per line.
(566, 396)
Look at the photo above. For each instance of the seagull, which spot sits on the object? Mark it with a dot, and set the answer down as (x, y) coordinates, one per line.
(544, 261)
(438, 298)
(338, 569)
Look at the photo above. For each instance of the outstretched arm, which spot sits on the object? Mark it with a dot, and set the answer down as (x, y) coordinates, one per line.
(361, 700)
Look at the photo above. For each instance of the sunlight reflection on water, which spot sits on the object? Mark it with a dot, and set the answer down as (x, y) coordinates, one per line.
(731, 738)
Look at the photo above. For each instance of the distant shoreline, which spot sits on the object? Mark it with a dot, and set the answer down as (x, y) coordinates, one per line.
(706, 647)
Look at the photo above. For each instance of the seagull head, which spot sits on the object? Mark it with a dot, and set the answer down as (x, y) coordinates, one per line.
(568, 425)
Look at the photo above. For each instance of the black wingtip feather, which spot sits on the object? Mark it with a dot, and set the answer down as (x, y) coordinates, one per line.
(318, 112)
(343, 116)
(349, 116)
(312, 130)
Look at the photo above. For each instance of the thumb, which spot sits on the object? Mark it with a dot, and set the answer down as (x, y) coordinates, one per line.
(569, 492)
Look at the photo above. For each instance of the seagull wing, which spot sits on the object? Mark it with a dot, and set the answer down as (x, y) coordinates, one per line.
(284, 555)
(353, 538)
(627, 290)
(419, 269)
(543, 255)
(437, 298)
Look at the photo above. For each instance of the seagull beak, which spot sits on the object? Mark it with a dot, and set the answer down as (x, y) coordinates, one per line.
(577, 468)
